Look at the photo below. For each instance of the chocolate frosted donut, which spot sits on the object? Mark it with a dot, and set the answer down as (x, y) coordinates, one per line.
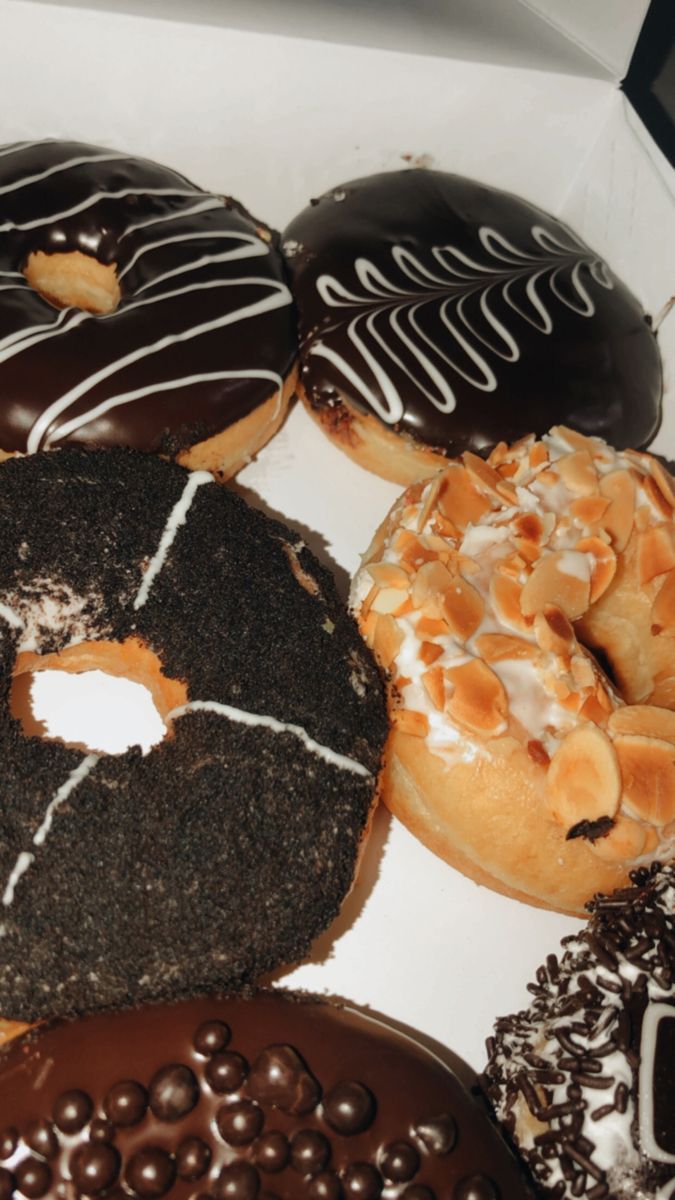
(230, 845)
(584, 1080)
(273, 1095)
(176, 330)
(438, 315)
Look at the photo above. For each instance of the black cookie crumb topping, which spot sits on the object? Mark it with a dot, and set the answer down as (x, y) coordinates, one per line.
(328, 1103)
(222, 852)
(584, 1080)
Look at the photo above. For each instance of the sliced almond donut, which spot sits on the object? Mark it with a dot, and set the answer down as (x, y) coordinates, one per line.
(491, 594)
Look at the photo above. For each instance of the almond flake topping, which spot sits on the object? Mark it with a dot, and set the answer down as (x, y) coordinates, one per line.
(584, 781)
(663, 608)
(478, 699)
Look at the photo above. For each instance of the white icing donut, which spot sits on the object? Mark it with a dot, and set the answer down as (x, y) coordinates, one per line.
(512, 753)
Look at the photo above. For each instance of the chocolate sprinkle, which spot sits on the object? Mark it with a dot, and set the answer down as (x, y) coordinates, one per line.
(586, 1021)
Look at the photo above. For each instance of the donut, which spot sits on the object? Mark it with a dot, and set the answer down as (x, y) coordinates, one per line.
(438, 315)
(136, 310)
(492, 594)
(273, 1094)
(227, 847)
(584, 1079)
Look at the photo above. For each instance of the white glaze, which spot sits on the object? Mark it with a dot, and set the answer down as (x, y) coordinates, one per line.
(176, 518)
(387, 324)
(26, 858)
(341, 761)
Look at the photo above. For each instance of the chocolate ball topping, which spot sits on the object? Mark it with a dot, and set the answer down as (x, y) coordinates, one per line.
(361, 1181)
(438, 1134)
(280, 1077)
(476, 1187)
(399, 1162)
(418, 1192)
(101, 1130)
(272, 1151)
(94, 1167)
(226, 1072)
(310, 1152)
(33, 1178)
(6, 1184)
(210, 1037)
(238, 1181)
(349, 1108)
(325, 1186)
(193, 1158)
(72, 1111)
(9, 1140)
(240, 1123)
(150, 1172)
(173, 1091)
(126, 1102)
(40, 1137)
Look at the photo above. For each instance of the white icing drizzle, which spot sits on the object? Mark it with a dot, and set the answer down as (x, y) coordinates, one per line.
(278, 297)
(249, 248)
(248, 718)
(389, 307)
(206, 205)
(25, 859)
(90, 201)
(170, 385)
(177, 517)
(56, 168)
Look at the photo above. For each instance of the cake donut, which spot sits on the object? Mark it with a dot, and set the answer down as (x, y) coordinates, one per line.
(491, 594)
(439, 315)
(136, 310)
(272, 1095)
(584, 1079)
(227, 847)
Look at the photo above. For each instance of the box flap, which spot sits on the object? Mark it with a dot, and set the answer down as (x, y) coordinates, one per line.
(562, 37)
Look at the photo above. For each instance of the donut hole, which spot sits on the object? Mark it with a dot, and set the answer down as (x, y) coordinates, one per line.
(101, 697)
(74, 280)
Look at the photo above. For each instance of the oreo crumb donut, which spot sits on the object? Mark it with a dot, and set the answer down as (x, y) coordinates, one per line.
(275, 1094)
(584, 1080)
(486, 595)
(176, 330)
(230, 845)
(439, 315)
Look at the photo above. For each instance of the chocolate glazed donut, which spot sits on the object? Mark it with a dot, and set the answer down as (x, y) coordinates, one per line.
(228, 846)
(176, 329)
(438, 315)
(274, 1095)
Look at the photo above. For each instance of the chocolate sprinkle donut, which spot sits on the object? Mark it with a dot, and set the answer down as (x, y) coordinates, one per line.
(224, 850)
(460, 316)
(584, 1080)
(255, 1139)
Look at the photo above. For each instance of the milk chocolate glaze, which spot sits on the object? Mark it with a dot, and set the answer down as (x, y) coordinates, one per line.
(204, 331)
(463, 316)
(327, 1103)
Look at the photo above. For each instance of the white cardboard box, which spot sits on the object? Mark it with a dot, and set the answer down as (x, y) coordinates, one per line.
(274, 103)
